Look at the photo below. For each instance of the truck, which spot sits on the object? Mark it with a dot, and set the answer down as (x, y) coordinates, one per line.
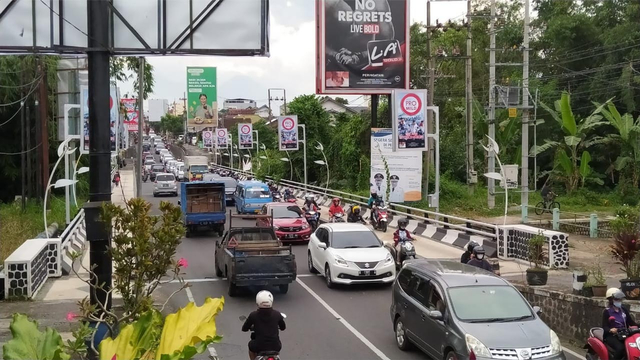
(203, 206)
(253, 256)
(196, 166)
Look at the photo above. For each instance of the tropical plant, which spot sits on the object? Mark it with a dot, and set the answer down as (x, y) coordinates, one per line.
(625, 240)
(596, 276)
(536, 250)
(571, 160)
(628, 137)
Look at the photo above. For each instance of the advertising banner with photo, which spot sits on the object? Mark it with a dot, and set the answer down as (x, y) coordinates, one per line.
(409, 115)
(202, 98)
(288, 132)
(405, 169)
(363, 46)
(245, 135)
(131, 113)
(207, 139)
(222, 138)
(114, 118)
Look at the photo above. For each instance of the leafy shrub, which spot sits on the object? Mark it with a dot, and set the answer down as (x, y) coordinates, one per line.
(625, 239)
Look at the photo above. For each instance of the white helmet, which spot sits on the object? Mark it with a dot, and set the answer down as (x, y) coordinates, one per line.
(264, 299)
(615, 293)
(309, 196)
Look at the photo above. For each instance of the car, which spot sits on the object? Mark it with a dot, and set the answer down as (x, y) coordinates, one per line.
(165, 184)
(149, 158)
(349, 253)
(155, 169)
(288, 222)
(180, 172)
(451, 310)
(170, 164)
(175, 168)
(148, 164)
(166, 160)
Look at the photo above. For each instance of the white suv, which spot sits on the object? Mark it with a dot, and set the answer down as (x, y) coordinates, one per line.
(165, 184)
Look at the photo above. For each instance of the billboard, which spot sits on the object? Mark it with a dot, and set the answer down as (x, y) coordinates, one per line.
(202, 98)
(207, 139)
(131, 113)
(245, 135)
(222, 138)
(404, 182)
(114, 118)
(362, 46)
(157, 109)
(409, 115)
(288, 132)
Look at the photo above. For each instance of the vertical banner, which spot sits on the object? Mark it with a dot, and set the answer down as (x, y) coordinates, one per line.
(114, 115)
(84, 111)
(221, 138)
(114, 118)
(245, 133)
(207, 139)
(202, 98)
(409, 120)
(362, 46)
(288, 132)
(131, 114)
(404, 179)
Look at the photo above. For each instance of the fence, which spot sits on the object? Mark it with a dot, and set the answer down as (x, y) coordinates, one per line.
(586, 224)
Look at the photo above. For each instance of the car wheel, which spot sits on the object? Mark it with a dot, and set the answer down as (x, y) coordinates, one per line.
(155, 195)
(284, 288)
(218, 271)
(327, 276)
(401, 336)
(233, 289)
(310, 263)
(451, 355)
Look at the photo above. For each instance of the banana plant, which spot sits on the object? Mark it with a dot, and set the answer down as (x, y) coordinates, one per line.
(628, 137)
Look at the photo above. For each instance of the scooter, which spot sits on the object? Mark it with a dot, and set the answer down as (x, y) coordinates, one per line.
(597, 349)
(276, 196)
(312, 218)
(380, 220)
(265, 355)
(337, 218)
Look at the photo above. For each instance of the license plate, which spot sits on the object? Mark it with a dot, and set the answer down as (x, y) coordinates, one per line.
(165, 185)
(291, 236)
(367, 273)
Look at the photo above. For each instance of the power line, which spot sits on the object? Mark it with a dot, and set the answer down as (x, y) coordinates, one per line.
(22, 152)
(18, 86)
(24, 98)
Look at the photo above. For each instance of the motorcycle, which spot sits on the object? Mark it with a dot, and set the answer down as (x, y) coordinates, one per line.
(380, 220)
(145, 176)
(337, 218)
(276, 196)
(290, 198)
(312, 218)
(264, 355)
(597, 349)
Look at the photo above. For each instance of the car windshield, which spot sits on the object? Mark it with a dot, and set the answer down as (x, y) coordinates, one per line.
(257, 193)
(149, 162)
(286, 212)
(199, 168)
(157, 168)
(354, 240)
(165, 178)
(498, 303)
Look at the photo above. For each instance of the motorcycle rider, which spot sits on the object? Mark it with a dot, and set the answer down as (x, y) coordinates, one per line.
(377, 203)
(354, 215)
(288, 193)
(478, 259)
(335, 208)
(401, 233)
(467, 255)
(310, 203)
(614, 319)
(272, 187)
(266, 324)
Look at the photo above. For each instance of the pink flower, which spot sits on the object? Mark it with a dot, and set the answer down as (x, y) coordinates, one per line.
(71, 316)
(114, 357)
(183, 263)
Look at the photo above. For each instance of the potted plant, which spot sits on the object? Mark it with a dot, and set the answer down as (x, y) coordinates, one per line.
(537, 275)
(598, 281)
(625, 249)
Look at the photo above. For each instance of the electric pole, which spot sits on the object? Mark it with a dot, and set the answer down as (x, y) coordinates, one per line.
(469, 95)
(524, 195)
(139, 164)
(491, 200)
(43, 151)
(428, 157)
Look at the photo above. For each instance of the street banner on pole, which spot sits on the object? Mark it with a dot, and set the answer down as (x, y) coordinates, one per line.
(245, 133)
(113, 114)
(404, 179)
(84, 110)
(131, 114)
(409, 120)
(202, 98)
(288, 132)
(207, 139)
(221, 138)
(362, 46)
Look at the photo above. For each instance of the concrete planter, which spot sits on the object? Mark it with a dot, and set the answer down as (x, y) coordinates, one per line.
(537, 276)
(599, 290)
(631, 288)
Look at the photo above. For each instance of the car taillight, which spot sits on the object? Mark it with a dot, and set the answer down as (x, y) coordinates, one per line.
(472, 356)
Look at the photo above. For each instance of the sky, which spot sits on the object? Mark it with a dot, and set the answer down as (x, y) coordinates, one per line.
(291, 64)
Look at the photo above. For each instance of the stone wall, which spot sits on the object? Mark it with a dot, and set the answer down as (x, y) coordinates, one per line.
(570, 316)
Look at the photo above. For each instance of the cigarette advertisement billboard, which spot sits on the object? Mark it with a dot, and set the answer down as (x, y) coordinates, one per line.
(131, 113)
(409, 115)
(362, 46)
(222, 138)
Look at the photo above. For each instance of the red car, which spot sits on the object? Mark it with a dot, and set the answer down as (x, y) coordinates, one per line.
(288, 222)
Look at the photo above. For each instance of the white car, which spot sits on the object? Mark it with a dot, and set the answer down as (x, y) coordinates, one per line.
(165, 184)
(180, 173)
(176, 167)
(170, 165)
(168, 158)
(349, 253)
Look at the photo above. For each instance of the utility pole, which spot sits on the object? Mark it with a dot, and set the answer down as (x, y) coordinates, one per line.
(23, 136)
(184, 115)
(43, 151)
(524, 195)
(428, 156)
(374, 110)
(284, 99)
(491, 200)
(140, 127)
(469, 96)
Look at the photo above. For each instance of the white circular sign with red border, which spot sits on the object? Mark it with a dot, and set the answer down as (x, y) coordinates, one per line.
(245, 129)
(288, 123)
(411, 104)
(221, 133)
(207, 134)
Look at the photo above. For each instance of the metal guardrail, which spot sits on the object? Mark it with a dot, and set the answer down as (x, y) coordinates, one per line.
(586, 224)
(469, 226)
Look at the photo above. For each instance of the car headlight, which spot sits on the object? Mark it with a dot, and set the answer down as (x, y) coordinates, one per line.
(276, 227)
(474, 345)
(388, 259)
(305, 226)
(556, 346)
(340, 261)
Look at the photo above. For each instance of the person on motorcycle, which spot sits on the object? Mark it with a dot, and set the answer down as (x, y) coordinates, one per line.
(478, 259)
(467, 255)
(354, 215)
(310, 203)
(614, 319)
(266, 324)
(335, 208)
(272, 187)
(377, 203)
(288, 193)
(401, 233)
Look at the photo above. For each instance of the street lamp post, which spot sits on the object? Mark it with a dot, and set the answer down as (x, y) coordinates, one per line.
(238, 156)
(77, 172)
(58, 184)
(493, 148)
(288, 159)
(265, 157)
(325, 162)
(63, 153)
(257, 142)
(304, 143)
(231, 150)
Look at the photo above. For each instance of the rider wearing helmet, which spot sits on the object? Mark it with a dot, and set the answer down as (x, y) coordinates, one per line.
(266, 324)
(354, 215)
(615, 318)
(466, 256)
(401, 234)
(272, 187)
(288, 193)
(478, 259)
(310, 203)
(335, 207)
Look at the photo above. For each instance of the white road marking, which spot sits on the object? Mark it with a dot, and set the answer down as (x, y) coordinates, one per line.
(344, 322)
(193, 281)
(190, 295)
(573, 353)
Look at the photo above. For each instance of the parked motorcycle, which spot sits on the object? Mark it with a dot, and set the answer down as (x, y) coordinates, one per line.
(338, 218)
(312, 218)
(379, 220)
(597, 349)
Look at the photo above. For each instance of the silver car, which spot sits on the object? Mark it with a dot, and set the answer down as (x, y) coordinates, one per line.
(165, 184)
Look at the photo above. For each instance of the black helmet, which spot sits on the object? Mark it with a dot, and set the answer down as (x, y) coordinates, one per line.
(478, 252)
(402, 223)
(472, 244)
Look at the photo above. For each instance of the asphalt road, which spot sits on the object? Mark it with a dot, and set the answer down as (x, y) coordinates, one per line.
(343, 323)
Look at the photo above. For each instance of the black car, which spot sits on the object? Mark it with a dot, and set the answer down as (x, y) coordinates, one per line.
(155, 169)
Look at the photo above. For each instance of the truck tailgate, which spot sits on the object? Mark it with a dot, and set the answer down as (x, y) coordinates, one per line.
(265, 269)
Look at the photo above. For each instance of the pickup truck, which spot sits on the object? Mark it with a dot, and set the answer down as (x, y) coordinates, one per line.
(253, 256)
(203, 206)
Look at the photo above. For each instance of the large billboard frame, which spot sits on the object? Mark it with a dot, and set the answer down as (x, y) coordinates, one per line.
(321, 60)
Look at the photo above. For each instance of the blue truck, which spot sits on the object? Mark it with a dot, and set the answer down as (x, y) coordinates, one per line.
(203, 206)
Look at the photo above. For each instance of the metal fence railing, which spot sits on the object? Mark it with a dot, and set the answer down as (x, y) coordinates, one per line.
(586, 224)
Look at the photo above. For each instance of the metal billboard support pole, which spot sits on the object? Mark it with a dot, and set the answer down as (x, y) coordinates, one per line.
(140, 127)
(524, 195)
(435, 136)
(491, 199)
(304, 142)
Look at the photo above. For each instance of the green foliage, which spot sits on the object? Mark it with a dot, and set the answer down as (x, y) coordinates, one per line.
(625, 228)
(536, 250)
(172, 123)
(29, 343)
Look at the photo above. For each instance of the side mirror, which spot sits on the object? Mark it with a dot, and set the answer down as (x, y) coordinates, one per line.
(322, 245)
(537, 310)
(435, 315)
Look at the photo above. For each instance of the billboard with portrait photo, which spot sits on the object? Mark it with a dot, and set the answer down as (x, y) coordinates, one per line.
(202, 98)
(245, 135)
(288, 132)
(222, 138)
(362, 46)
(409, 115)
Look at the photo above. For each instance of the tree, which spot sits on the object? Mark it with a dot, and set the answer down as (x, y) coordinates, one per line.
(123, 69)
(342, 101)
(173, 124)
(628, 138)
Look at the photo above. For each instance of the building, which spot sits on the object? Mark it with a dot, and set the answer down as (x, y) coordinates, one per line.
(263, 111)
(157, 109)
(176, 108)
(240, 104)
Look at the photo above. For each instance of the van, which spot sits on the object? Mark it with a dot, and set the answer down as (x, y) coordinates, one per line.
(250, 196)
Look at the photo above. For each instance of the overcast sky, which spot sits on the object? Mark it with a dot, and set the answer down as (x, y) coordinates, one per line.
(290, 66)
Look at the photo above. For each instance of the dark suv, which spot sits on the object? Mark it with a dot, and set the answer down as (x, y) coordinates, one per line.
(455, 311)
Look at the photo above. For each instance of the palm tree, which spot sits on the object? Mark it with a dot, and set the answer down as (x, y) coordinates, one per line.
(628, 136)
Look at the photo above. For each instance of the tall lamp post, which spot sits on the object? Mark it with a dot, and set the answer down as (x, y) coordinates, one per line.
(288, 159)
(304, 143)
(58, 184)
(325, 162)
(235, 146)
(493, 148)
(77, 172)
(231, 150)
(63, 152)
(265, 157)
